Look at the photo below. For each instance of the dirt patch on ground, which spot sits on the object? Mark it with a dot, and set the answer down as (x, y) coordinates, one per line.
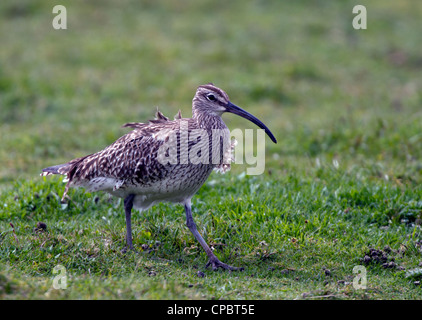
(382, 257)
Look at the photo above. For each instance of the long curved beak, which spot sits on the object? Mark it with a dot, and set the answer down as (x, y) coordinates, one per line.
(230, 107)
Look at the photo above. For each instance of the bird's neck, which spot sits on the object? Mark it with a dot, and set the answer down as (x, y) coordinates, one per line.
(209, 121)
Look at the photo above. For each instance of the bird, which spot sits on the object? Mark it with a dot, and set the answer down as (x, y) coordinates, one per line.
(163, 160)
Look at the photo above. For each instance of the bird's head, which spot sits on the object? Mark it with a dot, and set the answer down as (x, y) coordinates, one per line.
(210, 100)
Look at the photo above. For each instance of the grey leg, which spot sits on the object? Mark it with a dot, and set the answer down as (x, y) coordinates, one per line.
(128, 203)
(213, 260)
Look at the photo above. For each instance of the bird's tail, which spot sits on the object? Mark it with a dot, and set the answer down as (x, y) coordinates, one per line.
(59, 169)
(67, 169)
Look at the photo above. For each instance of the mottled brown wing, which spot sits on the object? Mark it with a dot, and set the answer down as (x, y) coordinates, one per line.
(131, 157)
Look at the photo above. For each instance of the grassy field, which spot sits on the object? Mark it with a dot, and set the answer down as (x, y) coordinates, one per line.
(342, 188)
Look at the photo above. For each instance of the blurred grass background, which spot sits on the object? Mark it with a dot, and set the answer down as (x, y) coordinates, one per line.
(344, 104)
(325, 89)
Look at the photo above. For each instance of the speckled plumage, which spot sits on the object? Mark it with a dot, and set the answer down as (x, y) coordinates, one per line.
(131, 167)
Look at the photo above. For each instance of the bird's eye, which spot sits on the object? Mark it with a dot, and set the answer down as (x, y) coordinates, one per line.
(211, 97)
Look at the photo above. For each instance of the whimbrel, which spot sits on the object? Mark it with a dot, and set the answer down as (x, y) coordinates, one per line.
(154, 162)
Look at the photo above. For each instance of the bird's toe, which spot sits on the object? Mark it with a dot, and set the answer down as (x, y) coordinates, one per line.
(126, 249)
(215, 264)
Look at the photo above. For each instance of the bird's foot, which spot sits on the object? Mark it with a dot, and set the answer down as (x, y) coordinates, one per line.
(215, 264)
(127, 248)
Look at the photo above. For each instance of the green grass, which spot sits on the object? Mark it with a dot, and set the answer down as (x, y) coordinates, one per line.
(345, 176)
